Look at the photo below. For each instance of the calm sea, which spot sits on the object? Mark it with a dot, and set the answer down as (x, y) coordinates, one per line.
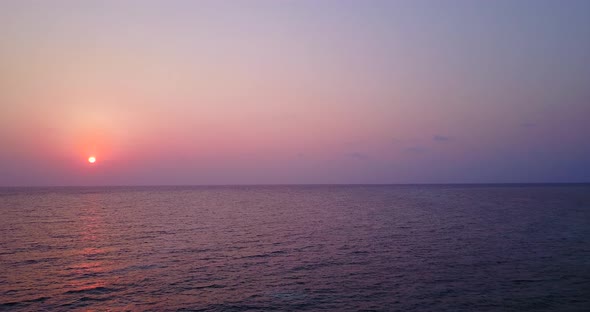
(296, 248)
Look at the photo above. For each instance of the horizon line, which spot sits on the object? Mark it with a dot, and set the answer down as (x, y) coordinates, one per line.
(296, 184)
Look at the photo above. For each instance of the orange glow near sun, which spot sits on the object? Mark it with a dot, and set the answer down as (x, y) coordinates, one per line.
(91, 159)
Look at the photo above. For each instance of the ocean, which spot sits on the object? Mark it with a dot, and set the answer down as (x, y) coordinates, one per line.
(296, 248)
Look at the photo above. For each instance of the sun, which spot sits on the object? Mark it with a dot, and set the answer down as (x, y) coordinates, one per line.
(91, 159)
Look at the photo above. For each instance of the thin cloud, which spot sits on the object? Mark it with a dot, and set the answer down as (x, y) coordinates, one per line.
(358, 156)
(416, 150)
(441, 138)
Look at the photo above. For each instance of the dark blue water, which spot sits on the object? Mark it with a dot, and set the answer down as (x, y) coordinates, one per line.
(298, 248)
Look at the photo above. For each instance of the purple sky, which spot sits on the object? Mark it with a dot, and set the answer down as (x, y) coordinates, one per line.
(263, 92)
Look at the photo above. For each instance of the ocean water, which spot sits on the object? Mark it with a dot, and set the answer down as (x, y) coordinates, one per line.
(296, 248)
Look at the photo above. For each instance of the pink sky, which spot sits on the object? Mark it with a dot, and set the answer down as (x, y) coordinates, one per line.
(208, 92)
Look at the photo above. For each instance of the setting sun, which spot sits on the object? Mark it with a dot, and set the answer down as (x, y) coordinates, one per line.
(91, 159)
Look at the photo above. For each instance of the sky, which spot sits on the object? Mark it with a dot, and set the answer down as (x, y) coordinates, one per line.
(294, 92)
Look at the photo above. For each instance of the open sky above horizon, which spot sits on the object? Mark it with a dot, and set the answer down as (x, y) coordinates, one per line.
(288, 92)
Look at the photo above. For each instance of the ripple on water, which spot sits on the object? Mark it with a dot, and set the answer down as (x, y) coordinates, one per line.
(331, 248)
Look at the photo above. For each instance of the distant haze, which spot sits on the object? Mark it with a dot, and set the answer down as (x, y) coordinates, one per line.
(264, 92)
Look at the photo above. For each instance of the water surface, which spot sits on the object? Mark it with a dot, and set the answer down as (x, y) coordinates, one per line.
(304, 248)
